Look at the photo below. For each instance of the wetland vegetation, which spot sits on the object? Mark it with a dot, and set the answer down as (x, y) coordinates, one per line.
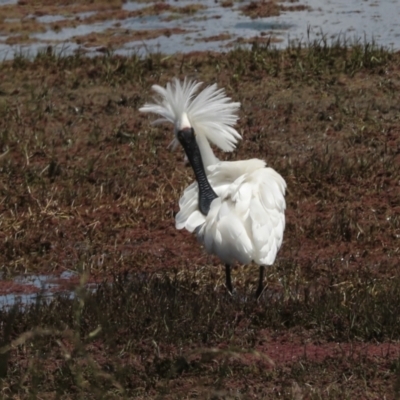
(87, 184)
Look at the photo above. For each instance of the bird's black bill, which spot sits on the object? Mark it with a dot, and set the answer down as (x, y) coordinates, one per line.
(188, 141)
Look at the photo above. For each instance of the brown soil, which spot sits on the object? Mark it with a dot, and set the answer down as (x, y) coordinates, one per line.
(114, 38)
(216, 38)
(271, 8)
(263, 39)
(10, 287)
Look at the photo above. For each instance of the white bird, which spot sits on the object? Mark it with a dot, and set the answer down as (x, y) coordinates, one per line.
(236, 208)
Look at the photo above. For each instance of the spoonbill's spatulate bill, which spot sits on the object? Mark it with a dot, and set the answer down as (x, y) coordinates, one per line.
(236, 208)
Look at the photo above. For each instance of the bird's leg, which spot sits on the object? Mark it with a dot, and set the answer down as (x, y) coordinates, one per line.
(228, 278)
(260, 282)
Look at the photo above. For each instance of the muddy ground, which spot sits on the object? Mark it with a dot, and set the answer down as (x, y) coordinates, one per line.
(87, 184)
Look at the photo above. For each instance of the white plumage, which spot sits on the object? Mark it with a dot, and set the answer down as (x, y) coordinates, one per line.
(210, 113)
(246, 221)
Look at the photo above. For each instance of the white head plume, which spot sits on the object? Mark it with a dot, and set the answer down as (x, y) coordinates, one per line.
(211, 113)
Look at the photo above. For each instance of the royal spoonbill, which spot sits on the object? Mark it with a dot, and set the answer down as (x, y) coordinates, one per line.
(236, 208)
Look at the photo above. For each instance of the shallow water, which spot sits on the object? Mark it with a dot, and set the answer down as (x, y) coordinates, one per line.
(357, 20)
(28, 289)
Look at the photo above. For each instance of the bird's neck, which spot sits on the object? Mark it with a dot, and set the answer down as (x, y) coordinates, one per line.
(207, 155)
(206, 192)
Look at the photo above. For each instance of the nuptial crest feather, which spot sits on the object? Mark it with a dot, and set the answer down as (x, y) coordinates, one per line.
(211, 113)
